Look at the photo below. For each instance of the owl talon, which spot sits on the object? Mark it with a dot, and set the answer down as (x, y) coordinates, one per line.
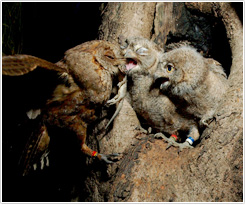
(141, 129)
(171, 142)
(184, 145)
(160, 135)
(106, 158)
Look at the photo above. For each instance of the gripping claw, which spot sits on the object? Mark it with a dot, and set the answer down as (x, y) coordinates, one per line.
(106, 158)
(171, 142)
(184, 145)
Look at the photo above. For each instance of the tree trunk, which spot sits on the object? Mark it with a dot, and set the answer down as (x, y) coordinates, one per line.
(146, 171)
(212, 171)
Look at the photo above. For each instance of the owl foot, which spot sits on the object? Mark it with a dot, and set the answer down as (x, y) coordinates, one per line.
(141, 129)
(172, 142)
(108, 158)
(184, 145)
(160, 135)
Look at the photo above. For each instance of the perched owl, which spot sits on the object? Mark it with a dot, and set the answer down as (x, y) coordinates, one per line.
(89, 72)
(152, 107)
(197, 83)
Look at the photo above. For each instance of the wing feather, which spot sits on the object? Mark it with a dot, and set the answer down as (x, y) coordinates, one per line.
(21, 64)
(35, 148)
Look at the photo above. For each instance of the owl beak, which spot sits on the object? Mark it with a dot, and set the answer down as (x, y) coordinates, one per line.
(160, 81)
(119, 62)
(129, 54)
(156, 77)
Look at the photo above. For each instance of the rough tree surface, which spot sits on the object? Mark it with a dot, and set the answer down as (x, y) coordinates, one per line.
(146, 171)
(212, 171)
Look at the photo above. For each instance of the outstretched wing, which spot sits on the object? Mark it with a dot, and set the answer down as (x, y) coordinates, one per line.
(21, 64)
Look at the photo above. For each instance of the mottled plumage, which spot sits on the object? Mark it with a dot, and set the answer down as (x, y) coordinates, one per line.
(197, 82)
(89, 71)
(150, 104)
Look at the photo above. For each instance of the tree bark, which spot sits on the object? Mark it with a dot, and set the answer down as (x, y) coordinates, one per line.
(212, 171)
(146, 171)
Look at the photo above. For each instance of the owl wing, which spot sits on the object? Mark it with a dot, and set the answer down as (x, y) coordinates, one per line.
(21, 64)
(215, 67)
(35, 151)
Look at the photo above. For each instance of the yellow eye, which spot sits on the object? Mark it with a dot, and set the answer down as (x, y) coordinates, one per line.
(170, 68)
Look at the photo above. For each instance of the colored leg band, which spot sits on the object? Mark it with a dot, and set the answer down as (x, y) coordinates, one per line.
(175, 137)
(94, 154)
(190, 140)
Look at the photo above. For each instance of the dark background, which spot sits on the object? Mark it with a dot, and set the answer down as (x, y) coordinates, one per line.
(45, 30)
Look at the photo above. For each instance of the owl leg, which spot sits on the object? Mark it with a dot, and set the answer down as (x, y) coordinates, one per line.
(86, 150)
(82, 130)
(192, 137)
(173, 138)
(141, 129)
(171, 141)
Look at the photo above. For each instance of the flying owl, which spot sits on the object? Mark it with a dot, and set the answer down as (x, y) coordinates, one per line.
(153, 108)
(89, 72)
(196, 82)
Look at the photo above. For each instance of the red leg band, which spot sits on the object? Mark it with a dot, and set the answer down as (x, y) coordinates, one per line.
(94, 154)
(175, 137)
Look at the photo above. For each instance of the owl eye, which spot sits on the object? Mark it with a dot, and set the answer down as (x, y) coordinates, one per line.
(142, 51)
(110, 57)
(170, 68)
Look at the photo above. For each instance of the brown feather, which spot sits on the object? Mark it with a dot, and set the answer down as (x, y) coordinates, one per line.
(22, 64)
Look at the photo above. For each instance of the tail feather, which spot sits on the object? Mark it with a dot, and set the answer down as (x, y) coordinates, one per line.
(35, 150)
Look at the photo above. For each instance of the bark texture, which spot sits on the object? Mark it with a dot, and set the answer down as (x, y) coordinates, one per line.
(146, 171)
(128, 19)
(212, 171)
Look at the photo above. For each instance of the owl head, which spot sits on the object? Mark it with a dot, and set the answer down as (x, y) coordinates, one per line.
(110, 57)
(141, 54)
(180, 70)
(103, 53)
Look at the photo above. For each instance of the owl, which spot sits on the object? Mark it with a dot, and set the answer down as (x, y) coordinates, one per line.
(89, 72)
(152, 107)
(196, 82)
